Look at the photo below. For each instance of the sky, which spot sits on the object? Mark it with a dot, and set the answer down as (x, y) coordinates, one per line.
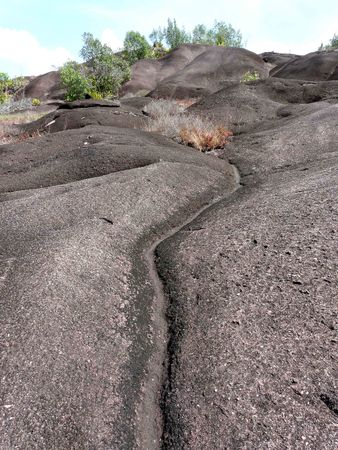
(37, 36)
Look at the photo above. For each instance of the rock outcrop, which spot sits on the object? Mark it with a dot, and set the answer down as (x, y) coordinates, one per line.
(44, 87)
(193, 71)
(316, 66)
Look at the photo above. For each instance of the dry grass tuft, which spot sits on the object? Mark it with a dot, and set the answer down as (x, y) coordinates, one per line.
(162, 108)
(9, 126)
(206, 138)
(170, 119)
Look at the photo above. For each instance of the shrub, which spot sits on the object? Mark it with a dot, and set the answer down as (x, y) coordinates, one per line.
(101, 75)
(157, 51)
(4, 86)
(169, 118)
(250, 75)
(105, 71)
(36, 102)
(4, 97)
(95, 95)
(75, 82)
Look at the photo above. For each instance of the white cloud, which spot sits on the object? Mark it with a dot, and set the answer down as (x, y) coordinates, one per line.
(26, 56)
(110, 38)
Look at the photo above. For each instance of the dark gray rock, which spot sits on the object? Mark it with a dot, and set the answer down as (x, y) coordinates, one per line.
(44, 87)
(252, 297)
(77, 301)
(244, 106)
(316, 66)
(276, 59)
(65, 118)
(215, 68)
(147, 73)
(91, 103)
(192, 70)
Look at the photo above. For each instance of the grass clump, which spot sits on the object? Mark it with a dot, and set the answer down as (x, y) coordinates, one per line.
(36, 102)
(169, 117)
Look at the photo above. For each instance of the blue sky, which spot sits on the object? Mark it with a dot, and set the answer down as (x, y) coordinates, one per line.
(37, 35)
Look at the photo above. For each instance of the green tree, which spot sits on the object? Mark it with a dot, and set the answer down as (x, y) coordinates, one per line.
(175, 36)
(157, 37)
(200, 35)
(224, 34)
(220, 34)
(136, 46)
(334, 41)
(333, 44)
(105, 70)
(74, 80)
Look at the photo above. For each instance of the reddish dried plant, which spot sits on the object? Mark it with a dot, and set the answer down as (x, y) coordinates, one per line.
(205, 139)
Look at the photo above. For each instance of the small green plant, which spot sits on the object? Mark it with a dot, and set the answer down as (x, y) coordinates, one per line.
(4, 97)
(36, 102)
(95, 95)
(250, 75)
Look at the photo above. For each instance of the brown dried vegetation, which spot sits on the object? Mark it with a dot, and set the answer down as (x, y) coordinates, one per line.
(170, 118)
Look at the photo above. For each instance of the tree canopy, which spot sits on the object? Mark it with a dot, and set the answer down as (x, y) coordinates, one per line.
(101, 75)
(220, 33)
(332, 45)
(136, 46)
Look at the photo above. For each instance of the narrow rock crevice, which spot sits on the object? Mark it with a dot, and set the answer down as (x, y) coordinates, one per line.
(152, 415)
(331, 401)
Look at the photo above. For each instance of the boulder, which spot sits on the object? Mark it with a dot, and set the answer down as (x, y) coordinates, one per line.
(277, 59)
(147, 73)
(212, 70)
(44, 87)
(316, 66)
(191, 70)
(245, 105)
(79, 114)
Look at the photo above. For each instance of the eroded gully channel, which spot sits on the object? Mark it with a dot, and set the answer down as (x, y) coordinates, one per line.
(151, 410)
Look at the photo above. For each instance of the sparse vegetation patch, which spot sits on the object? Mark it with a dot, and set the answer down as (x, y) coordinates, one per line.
(250, 75)
(169, 117)
(10, 131)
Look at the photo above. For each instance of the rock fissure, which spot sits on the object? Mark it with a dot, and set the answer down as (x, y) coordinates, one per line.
(152, 415)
